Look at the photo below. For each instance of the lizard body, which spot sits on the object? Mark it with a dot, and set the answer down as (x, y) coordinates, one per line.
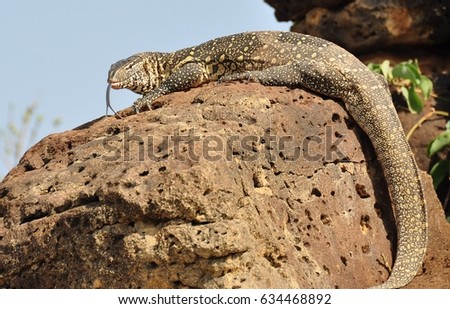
(292, 59)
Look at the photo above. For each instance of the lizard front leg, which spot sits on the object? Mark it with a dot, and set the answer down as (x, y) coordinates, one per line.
(148, 98)
(188, 76)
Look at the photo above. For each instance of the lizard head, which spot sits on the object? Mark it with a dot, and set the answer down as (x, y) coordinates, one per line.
(137, 73)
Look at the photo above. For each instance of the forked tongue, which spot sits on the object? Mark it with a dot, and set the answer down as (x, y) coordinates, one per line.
(108, 102)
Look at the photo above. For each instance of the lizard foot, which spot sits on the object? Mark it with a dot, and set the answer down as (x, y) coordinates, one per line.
(140, 103)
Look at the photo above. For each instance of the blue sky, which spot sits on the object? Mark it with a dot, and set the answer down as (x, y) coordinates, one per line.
(58, 53)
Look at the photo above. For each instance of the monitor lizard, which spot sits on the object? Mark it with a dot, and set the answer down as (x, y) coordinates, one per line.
(293, 59)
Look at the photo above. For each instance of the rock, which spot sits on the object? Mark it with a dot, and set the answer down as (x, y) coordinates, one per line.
(226, 186)
(389, 30)
(364, 25)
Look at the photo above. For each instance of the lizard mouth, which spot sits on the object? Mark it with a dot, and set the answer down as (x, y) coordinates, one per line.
(115, 85)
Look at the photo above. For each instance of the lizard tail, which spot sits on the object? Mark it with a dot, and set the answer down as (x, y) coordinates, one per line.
(410, 212)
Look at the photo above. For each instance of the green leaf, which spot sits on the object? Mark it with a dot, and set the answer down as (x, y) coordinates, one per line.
(374, 67)
(439, 171)
(415, 104)
(438, 143)
(415, 63)
(406, 71)
(386, 69)
(383, 68)
(414, 67)
(426, 85)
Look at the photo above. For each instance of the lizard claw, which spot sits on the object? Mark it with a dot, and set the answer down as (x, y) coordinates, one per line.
(144, 101)
(138, 104)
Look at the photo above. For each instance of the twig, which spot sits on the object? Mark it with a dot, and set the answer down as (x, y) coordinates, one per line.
(425, 117)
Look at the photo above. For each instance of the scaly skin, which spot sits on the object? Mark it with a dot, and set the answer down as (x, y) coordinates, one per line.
(291, 59)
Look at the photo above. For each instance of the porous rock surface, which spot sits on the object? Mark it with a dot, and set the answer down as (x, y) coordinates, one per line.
(225, 186)
(362, 25)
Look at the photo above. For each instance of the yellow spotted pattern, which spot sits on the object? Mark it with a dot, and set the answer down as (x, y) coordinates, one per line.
(284, 58)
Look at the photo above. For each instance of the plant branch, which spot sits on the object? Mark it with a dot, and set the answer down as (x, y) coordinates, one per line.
(425, 117)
